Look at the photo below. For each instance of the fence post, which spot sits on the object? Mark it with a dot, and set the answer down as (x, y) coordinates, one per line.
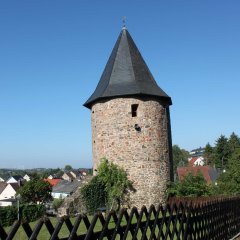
(188, 230)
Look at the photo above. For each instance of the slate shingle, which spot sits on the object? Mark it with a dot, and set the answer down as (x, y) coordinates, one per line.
(126, 74)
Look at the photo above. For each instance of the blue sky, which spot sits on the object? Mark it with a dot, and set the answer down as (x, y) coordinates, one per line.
(53, 52)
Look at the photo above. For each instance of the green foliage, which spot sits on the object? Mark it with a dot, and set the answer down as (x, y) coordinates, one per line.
(209, 155)
(233, 143)
(107, 189)
(221, 152)
(68, 168)
(224, 149)
(34, 191)
(32, 212)
(180, 157)
(7, 173)
(57, 203)
(56, 172)
(191, 185)
(115, 180)
(229, 181)
(94, 195)
(29, 213)
(224, 155)
(8, 215)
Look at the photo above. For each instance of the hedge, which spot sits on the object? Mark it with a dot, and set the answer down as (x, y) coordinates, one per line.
(28, 213)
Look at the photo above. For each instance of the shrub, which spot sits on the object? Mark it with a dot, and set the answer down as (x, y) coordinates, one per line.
(8, 215)
(94, 195)
(108, 189)
(32, 212)
(28, 213)
(192, 186)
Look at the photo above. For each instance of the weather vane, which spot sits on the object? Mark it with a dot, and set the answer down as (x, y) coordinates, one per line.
(124, 21)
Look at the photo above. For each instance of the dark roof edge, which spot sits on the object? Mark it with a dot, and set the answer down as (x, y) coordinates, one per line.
(165, 100)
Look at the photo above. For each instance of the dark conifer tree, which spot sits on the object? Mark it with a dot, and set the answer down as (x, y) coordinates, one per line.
(209, 155)
(233, 142)
(222, 152)
(180, 157)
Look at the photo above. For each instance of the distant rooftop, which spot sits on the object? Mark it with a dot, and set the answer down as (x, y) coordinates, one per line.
(210, 174)
(52, 182)
(65, 186)
(3, 185)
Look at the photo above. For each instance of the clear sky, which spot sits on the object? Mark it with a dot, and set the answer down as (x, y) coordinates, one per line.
(53, 52)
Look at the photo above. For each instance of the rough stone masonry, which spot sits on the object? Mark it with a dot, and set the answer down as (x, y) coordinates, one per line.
(142, 152)
(131, 123)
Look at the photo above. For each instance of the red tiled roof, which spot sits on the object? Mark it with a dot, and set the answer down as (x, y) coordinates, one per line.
(192, 161)
(53, 182)
(183, 171)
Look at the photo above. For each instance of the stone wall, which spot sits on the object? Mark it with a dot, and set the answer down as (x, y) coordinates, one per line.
(138, 144)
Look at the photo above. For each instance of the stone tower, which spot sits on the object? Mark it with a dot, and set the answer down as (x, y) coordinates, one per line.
(131, 122)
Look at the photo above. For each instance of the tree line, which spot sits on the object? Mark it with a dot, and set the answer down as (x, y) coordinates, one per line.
(224, 155)
(216, 156)
(220, 154)
(227, 184)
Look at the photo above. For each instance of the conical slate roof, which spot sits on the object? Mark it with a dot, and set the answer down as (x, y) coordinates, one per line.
(126, 74)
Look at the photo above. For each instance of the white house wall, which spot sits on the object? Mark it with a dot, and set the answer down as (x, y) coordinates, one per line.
(59, 195)
(27, 178)
(8, 192)
(5, 204)
(199, 161)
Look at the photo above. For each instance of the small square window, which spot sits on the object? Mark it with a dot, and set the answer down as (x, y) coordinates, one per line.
(134, 110)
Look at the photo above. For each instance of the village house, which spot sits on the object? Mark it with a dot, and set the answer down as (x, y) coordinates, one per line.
(196, 161)
(76, 174)
(15, 179)
(67, 176)
(27, 177)
(73, 174)
(7, 193)
(53, 182)
(2, 187)
(83, 173)
(65, 188)
(197, 152)
(209, 173)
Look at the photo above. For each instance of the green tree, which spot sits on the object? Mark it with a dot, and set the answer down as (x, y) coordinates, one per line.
(68, 168)
(35, 191)
(180, 157)
(112, 186)
(229, 181)
(221, 152)
(233, 143)
(56, 173)
(209, 155)
(29, 213)
(115, 180)
(192, 186)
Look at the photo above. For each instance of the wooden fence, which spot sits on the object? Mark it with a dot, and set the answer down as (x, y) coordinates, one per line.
(189, 219)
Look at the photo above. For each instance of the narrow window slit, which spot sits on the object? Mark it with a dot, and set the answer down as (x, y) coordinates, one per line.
(134, 110)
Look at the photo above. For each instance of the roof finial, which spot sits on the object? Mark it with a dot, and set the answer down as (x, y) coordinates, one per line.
(124, 22)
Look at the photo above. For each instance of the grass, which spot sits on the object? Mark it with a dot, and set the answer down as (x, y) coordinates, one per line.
(44, 234)
(64, 233)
